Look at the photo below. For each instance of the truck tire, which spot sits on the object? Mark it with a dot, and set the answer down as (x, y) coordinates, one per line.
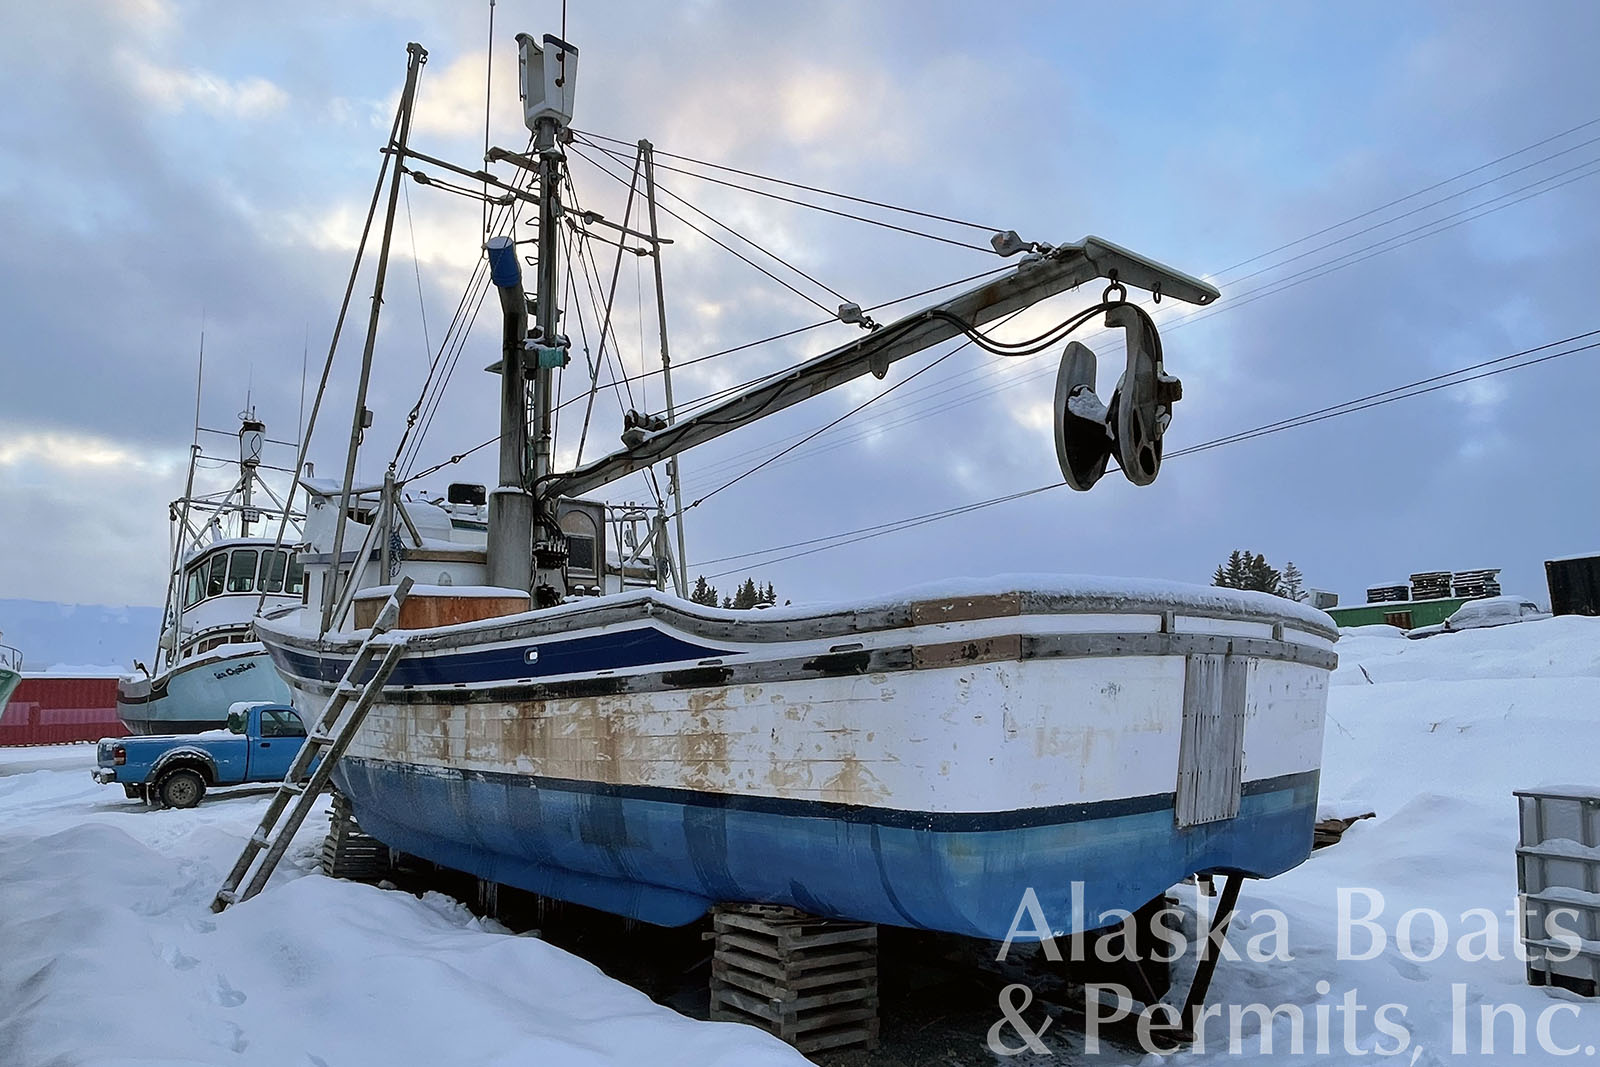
(181, 788)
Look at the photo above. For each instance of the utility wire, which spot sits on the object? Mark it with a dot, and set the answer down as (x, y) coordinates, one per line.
(1421, 387)
(1411, 196)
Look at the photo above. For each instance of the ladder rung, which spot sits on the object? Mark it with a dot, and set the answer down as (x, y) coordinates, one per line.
(259, 838)
(348, 689)
(294, 788)
(227, 896)
(319, 739)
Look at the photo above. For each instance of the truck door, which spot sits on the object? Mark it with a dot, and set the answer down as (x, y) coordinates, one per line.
(282, 734)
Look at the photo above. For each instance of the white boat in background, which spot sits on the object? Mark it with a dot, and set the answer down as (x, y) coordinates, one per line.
(10, 672)
(920, 759)
(207, 658)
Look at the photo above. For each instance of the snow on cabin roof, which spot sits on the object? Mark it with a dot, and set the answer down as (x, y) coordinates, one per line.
(1574, 558)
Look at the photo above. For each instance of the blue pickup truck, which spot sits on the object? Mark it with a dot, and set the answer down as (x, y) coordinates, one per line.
(175, 771)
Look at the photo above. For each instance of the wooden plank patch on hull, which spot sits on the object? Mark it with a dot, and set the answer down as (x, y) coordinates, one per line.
(810, 982)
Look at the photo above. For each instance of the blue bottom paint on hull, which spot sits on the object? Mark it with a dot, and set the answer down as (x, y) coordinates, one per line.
(656, 856)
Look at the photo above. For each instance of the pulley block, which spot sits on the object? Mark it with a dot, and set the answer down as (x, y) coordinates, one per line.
(1088, 431)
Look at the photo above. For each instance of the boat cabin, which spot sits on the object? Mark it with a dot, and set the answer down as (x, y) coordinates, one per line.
(221, 586)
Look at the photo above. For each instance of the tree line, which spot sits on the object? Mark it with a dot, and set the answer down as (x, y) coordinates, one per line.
(1247, 570)
(748, 595)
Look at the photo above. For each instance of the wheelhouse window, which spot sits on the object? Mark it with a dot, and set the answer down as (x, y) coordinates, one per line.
(217, 577)
(242, 570)
(194, 585)
(272, 567)
(297, 575)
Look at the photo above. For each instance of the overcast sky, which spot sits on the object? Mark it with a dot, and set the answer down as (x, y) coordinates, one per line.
(166, 164)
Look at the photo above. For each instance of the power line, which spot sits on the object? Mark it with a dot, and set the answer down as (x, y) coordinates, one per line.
(1421, 387)
(1412, 196)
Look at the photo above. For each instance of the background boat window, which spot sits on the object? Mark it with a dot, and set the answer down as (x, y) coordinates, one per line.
(242, 571)
(194, 585)
(272, 568)
(297, 575)
(217, 579)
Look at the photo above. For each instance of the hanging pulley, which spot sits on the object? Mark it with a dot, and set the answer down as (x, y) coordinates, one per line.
(1089, 431)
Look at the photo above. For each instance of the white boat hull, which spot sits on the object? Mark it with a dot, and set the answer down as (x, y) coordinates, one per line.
(921, 762)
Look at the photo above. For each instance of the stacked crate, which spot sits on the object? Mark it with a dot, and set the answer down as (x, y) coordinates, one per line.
(1558, 879)
(1385, 594)
(810, 982)
(1430, 585)
(349, 853)
(1471, 585)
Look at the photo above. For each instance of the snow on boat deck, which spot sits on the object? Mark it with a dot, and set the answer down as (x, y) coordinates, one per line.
(111, 955)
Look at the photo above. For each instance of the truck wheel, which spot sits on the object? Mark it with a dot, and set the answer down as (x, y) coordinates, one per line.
(182, 788)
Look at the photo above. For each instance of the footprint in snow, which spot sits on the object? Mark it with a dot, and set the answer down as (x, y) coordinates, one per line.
(176, 959)
(225, 995)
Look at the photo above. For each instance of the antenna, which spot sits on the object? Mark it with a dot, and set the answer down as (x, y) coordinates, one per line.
(199, 376)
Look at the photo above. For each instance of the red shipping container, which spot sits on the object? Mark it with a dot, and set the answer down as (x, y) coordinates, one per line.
(58, 710)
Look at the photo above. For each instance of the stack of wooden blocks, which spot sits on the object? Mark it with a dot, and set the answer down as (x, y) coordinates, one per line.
(811, 982)
(1430, 585)
(349, 853)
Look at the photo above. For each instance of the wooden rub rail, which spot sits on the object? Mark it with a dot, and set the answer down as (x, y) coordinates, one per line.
(811, 982)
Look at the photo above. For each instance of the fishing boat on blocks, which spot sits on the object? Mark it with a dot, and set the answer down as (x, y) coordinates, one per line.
(921, 759)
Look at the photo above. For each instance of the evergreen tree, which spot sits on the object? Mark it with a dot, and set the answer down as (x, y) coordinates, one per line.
(704, 593)
(747, 597)
(1247, 570)
(727, 601)
(770, 596)
(1293, 585)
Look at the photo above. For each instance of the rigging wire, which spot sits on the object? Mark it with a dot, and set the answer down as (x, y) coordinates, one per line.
(1271, 288)
(731, 251)
(809, 188)
(416, 269)
(1421, 387)
(801, 203)
(972, 338)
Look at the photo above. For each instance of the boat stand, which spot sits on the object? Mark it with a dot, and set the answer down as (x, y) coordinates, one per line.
(810, 982)
(1194, 1002)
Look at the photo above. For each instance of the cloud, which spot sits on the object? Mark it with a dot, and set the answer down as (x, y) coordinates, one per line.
(176, 89)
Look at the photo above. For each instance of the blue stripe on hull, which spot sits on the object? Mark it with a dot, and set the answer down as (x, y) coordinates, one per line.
(655, 857)
(638, 647)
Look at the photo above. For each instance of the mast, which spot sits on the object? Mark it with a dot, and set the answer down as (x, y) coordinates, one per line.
(548, 74)
(647, 154)
(416, 55)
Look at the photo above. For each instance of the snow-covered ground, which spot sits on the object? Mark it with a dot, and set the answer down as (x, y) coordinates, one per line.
(109, 954)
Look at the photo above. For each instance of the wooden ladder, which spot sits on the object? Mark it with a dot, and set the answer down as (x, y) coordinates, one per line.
(328, 734)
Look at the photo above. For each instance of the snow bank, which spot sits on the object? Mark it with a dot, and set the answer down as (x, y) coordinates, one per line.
(111, 954)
